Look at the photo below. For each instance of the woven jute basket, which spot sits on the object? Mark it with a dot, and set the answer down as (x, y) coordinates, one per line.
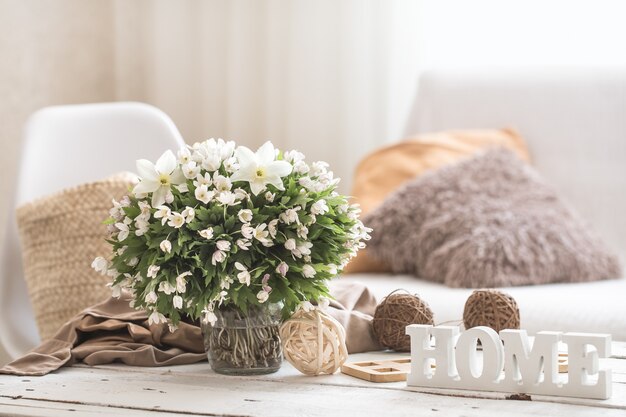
(60, 236)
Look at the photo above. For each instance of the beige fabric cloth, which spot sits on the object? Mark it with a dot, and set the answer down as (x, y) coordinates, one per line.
(113, 332)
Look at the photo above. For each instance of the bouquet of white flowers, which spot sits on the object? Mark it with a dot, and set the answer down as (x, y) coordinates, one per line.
(222, 226)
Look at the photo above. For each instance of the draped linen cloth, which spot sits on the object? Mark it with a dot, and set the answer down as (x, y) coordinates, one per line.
(112, 331)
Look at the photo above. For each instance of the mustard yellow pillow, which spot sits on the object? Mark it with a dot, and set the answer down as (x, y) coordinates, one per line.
(383, 171)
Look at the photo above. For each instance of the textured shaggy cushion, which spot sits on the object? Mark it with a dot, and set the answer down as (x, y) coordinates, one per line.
(383, 171)
(487, 221)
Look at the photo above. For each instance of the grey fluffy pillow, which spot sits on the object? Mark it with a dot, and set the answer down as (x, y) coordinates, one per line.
(488, 221)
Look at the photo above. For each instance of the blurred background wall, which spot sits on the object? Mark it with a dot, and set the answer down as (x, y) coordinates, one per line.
(332, 78)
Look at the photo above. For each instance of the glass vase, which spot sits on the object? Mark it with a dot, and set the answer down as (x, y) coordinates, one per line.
(239, 343)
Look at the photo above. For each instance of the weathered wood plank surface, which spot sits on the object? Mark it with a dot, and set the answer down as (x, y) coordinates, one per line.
(195, 390)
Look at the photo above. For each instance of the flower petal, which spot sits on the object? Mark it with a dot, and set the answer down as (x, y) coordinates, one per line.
(166, 163)
(146, 170)
(146, 186)
(278, 168)
(158, 197)
(245, 173)
(178, 177)
(257, 186)
(245, 156)
(275, 181)
(266, 153)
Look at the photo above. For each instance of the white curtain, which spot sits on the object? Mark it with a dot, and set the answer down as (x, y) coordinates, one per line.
(332, 78)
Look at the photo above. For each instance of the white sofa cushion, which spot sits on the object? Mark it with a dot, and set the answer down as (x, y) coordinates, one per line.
(574, 122)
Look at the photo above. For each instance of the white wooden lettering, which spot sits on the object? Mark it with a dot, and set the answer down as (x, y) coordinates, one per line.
(508, 362)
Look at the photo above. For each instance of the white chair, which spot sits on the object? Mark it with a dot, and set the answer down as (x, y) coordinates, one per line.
(65, 146)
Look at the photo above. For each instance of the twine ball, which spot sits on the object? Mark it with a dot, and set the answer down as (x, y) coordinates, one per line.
(314, 342)
(393, 314)
(491, 308)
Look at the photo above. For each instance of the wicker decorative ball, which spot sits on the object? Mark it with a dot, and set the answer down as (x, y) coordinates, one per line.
(393, 314)
(491, 308)
(314, 342)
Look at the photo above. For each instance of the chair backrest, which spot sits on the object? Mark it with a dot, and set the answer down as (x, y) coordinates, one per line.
(574, 123)
(65, 146)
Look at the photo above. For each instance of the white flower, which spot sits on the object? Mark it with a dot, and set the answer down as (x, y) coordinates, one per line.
(133, 261)
(151, 298)
(124, 231)
(272, 227)
(307, 306)
(166, 246)
(301, 167)
(262, 296)
(319, 207)
(244, 275)
(203, 180)
(247, 231)
(282, 268)
(303, 231)
(269, 196)
(319, 168)
(176, 220)
(203, 194)
(190, 170)
(189, 214)
(245, 216)
(221, 183)
(231, 165)
(260, 168)
(323, 302)
(163, 212)
(290, 244)
(211, 153)
(308, 271)
(206, 233)
(241, 194)
(141, 227)
(183, 188)
(294, 156)
(177, 301)
(156, 318)
(304, 248)
(227, 198)
(225, 282)
(181, 282)
(221, 297)
(218, 256)
(184, 156)
(332, 269)
(100, 265)
(290, 216)
(223, 245)
(243, 244)
(172, 328)
(166, 288)
(261, 234)
(208, 316)
(153, 270)
(158, 178)
(116, 290)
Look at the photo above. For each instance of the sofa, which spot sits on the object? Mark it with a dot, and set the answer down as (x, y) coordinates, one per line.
(574, 122)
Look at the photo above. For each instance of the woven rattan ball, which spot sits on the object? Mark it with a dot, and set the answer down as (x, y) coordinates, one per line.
(314, 342)
(393, 314)
(491, 308)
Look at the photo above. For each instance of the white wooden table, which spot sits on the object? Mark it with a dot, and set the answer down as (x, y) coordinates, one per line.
(195, 390)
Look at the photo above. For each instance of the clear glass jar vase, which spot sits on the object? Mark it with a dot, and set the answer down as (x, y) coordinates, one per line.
(244, 343)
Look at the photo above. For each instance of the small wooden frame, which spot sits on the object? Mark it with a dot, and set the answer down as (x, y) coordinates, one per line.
(393, 370)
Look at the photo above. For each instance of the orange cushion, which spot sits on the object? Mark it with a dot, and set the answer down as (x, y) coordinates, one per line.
(384, 170)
